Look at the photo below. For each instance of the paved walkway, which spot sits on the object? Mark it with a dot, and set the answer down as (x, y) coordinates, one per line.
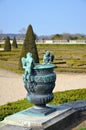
(12, 87)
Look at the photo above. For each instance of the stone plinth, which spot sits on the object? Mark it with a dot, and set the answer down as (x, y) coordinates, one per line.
(13, 127)
(26, 120)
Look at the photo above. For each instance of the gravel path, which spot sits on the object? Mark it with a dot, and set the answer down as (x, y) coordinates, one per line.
(12, 87)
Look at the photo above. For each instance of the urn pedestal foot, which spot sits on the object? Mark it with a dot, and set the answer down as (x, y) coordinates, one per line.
(41, 111)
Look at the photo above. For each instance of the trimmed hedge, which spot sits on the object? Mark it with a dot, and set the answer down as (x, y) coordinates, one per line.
(13, 107)
(83, 129)
(59, 98)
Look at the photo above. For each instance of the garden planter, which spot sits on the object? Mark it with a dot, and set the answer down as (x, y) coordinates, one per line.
(39, 81)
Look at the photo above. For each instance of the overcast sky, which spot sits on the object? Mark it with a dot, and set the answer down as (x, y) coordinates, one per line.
(46, 16)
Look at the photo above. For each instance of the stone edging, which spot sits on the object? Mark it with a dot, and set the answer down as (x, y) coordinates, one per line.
(79, 105)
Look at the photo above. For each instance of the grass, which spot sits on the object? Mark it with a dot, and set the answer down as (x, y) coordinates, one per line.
(68, 57)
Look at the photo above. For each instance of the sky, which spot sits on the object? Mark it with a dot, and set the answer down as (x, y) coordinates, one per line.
(47, 17)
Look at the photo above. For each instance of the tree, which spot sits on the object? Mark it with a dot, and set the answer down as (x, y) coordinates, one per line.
(29, 45)
(14, 44)
(22, 30)
(56, 37)
(1, 32)
(7, 46)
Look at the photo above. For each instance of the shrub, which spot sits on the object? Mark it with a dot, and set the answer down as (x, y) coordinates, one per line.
(7, 46)
(69, 95)
(14, 44)
(29, 46)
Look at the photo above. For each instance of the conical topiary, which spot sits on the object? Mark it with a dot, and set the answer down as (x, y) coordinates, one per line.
(14, 44)
(29, 45)
(7, 46)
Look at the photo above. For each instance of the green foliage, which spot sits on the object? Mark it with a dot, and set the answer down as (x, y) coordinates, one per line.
(67, 36)
(7, 46)
(68, 96)
(59, 98)
(14, 44)
(56, 37)
(13, 107)
(29, 45)
(83, 129)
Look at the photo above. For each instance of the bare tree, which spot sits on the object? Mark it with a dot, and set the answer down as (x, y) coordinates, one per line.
(22, 30)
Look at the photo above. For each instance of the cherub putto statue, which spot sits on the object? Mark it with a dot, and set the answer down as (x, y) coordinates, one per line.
(28, 64)
(48, 58)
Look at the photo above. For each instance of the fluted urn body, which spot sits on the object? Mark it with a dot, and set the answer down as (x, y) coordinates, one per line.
(41, 84)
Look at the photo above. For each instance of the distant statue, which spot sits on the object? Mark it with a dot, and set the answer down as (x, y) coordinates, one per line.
(28, 64)
(48, 58)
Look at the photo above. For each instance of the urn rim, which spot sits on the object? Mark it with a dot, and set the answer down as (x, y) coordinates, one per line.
(44, 66)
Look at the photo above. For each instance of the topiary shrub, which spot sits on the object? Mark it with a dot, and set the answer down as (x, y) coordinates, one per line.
(14, 44)
(29, 45)
(7, 46)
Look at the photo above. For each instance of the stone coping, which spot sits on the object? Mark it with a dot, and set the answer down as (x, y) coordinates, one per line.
(79, 105)
(65, 112)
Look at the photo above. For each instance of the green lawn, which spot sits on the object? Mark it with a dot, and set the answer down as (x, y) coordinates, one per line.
(68, 57)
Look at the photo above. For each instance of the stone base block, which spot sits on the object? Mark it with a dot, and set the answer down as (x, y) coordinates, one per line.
(26, 120)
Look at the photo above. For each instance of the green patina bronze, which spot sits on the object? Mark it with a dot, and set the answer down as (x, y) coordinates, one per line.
(28, 64)
(39, 79)
(48, 58)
